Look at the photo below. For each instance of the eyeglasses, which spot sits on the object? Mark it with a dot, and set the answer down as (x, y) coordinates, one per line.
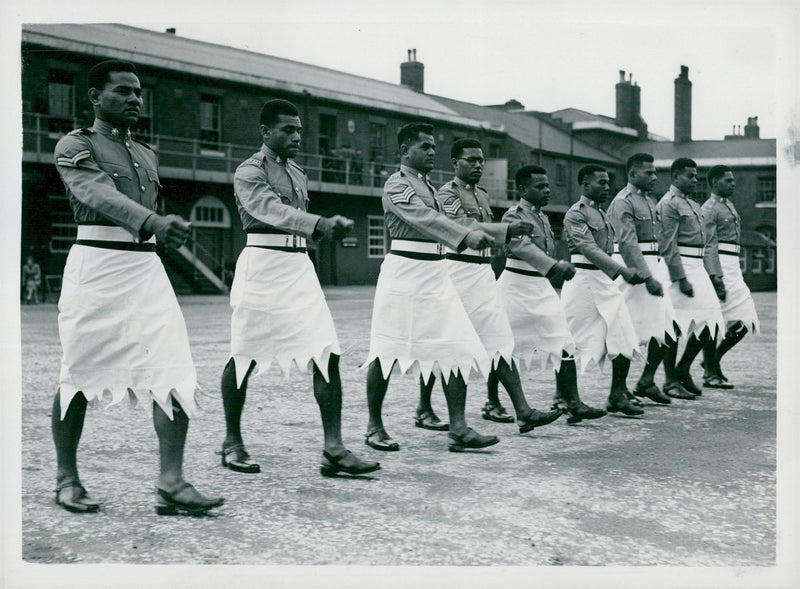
(473, 160)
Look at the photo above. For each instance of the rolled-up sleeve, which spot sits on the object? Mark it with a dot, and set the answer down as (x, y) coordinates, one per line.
(261, 202)
(86, 182)
(669, 220)
(580, 235)
(711, 245)
(622, 219)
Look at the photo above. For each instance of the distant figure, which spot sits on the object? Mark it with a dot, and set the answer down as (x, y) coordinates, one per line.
(32, 279)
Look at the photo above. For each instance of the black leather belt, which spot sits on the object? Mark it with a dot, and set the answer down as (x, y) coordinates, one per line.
(417, 255)
(280, 248)
(118, 245)
(525, 272)
(467, 258)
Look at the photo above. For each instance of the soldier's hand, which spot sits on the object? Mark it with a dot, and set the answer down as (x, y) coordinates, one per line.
(520, 228)
(171, 230)
(478, 240)
(562, 270)
(631, 276)
(335, 227)
(653, 286)
(686, 287)
(719, 286)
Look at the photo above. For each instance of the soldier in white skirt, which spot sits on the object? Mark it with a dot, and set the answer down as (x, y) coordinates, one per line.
(418, 321)
(279, 311)
(120, 325)
(633, 215)
(535, 312)
(596, 312)
(680, 241)
(471, 272)
(723, 232)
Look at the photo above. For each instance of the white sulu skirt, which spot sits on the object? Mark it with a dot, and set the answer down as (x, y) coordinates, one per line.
(279, 314)
(537, 320)
(694, 314)
(598, 319)
(122, 331)
(419, 321)
(483, 302)
(738, 304)
(653, 317)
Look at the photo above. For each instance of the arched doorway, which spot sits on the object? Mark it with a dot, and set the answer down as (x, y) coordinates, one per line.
(212, 222)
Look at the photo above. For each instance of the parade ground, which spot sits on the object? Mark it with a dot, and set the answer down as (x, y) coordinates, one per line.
(688, 484)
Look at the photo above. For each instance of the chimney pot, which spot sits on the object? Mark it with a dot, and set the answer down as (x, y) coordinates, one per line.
(170, 31)
(621, 75)
(412, 72)
(683, 107)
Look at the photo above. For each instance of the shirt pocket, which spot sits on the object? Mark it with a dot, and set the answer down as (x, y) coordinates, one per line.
(644, 225)
(122, 176)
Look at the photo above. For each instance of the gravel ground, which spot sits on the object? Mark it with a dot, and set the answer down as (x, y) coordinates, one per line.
(691, 484)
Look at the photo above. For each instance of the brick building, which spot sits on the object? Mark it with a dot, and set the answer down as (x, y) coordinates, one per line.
(200, 112)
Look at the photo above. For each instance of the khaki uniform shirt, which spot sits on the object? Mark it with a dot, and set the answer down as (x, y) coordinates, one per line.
(721, 222)
(633, 215)
(469, 205)
(538, 249)
(590, 233)
(680, 222)
(110, 178)
(411, 211)
(272, 193)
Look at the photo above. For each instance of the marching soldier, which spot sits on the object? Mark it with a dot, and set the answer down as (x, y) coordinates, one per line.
(279, 310)
(418, 320)
(595, 307)
(120, 325)
(466, 202)
(681, 242)
(534, 309)
(723, 231)
(633, 216)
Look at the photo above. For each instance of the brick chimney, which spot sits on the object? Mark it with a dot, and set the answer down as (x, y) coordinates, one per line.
(629, 104)
(412, 73)
(751, 130)
(683, 107)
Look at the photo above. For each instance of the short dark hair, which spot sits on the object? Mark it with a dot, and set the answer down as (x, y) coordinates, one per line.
(525, 172)
(98, 75)
(717, 172)
(680, 164)
(589, 170)
(410, 132)
(636, 160)
(274, 108)
(459, 145)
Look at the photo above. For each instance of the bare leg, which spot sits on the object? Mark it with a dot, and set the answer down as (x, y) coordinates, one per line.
(233, 399)
(655, 353)
(455, 391)
(329, 398)
(67, 435)
(376, 392)
(425, 390)
(618, 400)
(509, 376)
(171, 440)
(492, 388)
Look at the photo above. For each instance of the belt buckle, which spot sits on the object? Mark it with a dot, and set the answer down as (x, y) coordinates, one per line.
(439, 249)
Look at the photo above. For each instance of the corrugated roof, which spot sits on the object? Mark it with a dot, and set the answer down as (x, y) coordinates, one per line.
(526, 129)
(177, 53)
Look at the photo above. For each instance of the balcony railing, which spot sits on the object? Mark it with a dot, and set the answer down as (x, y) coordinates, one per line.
(191, 159)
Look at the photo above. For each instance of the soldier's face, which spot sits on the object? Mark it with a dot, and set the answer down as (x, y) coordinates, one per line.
(469, 165)
(644, 177)
(119, 102)
(421, 153)
(537, 192)
(686, 181)
(597, 187)
(725, 185)
(284, 136)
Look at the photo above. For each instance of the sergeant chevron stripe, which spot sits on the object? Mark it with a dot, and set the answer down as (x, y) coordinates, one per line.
(452, 206)
(71, 162)
(404, 197)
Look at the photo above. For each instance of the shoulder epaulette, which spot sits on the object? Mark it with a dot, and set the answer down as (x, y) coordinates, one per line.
(482, 189)
(140, 142)
(82, 131)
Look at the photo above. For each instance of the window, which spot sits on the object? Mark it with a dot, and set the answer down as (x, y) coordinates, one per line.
(758, 261)
(770, 266)
(377, 140)
(210, 211)
(144, 127)
(61, 101)
(64, 230)
(766, 189)
(210, 122)
(701, 192)
(743, 260)
(327, 133)
(376, 236)
(561, 174)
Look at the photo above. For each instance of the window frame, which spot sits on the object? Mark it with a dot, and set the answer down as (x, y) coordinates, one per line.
(376, 240)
